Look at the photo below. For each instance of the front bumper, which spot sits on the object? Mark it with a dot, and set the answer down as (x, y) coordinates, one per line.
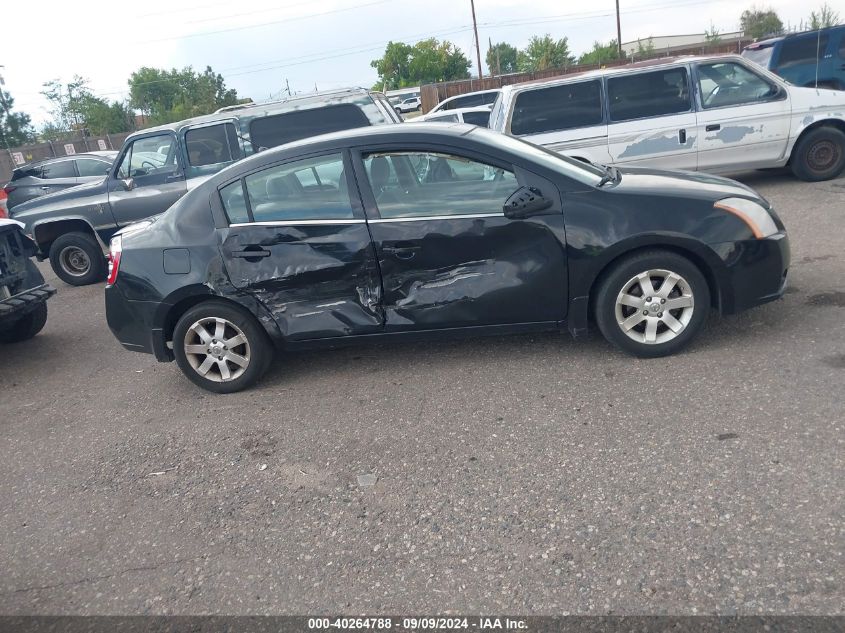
(22, 303)
(755, 271)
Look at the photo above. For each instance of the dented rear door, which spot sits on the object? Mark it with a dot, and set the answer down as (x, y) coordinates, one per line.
(299, 243)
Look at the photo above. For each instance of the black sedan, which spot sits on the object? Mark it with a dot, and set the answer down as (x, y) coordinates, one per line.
(428, 231)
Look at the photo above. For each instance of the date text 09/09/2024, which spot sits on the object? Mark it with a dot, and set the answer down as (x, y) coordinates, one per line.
(480, 623)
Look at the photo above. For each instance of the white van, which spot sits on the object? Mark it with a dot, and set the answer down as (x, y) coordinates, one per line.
(717, 114)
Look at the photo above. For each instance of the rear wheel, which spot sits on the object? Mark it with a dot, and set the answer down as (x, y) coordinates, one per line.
(26, 327)
(652, 303)
(77, 259)
(819, 154)
(220, 347)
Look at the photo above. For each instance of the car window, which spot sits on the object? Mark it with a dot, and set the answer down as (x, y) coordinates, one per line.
(729, 84)
(234, 202)
(558, 108)
(760, 55)
(649, 94)
(149, 156)
(842, 47)
(212, 145)
(60, 169)
(90, 167)
(422, 184)
(477, 118)
(444, 118)
(470, 101)
(291, 126)
(796, 51)
(310, 189)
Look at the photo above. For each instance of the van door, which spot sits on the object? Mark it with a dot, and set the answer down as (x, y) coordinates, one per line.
(567, 118)
(652, 120)
(147, 179)
(744, 118)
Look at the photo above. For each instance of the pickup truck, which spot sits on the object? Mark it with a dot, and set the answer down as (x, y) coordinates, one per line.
(156, 167)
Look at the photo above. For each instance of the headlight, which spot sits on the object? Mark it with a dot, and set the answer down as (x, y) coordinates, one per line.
(754, 215)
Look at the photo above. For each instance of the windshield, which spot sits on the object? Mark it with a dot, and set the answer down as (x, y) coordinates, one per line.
(586, 173)
(761, 56)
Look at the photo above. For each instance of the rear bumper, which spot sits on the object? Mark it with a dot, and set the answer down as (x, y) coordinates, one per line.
(20, 304)
(756, 272)
(131, 322)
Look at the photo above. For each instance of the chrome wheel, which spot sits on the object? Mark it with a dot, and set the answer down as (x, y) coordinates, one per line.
(217, 349)
(74, 261)
(655, 306)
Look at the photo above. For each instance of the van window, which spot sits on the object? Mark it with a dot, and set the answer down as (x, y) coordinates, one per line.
(649, 94)
(802, 50)
(212, 145)
(477, 118)
(729, 84)
(557, 108)
(276, 130)
(471, 101)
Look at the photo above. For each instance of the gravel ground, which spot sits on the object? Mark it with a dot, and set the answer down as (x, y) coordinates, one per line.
(530, 474)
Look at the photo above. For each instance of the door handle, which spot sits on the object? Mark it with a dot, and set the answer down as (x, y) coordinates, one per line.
(45, 188)
(173, 178)
(401, 250)
(252, 253)
(713, 128)
(682, 137)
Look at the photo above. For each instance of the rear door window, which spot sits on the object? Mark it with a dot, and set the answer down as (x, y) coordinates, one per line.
(477, 118)
(558, 108)
(796, 51)
(91, 167)
(276, 130)
(60, 169)
(649, 94)
(212, 145)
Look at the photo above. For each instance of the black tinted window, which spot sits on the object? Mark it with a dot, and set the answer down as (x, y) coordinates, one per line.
(557, 108)
(212, 145)
(90, 167)
(470, 101)
(61, 169)
(292, 126)
(311, 189)
(477, 118)
(802, 50)
(649, 94)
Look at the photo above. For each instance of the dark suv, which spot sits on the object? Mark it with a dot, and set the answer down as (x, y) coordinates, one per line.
(54, 174)
(158, 166)
(811, 59)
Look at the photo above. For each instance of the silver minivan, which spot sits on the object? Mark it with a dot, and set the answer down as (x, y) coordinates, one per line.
(718, 114)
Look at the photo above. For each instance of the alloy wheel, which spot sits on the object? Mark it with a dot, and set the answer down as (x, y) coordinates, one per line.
(217, 349)
(655, 306)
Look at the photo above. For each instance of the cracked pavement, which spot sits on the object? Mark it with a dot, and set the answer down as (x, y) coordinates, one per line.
(529, 474)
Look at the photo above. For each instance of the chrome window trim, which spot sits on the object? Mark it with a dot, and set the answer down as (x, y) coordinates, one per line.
(298, 223)
(422, 218)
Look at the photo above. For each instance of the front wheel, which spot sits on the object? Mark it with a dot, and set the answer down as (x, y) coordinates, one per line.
(819, 154)
(221, 348)
(652, 304)
(26, 327)
(77, 259)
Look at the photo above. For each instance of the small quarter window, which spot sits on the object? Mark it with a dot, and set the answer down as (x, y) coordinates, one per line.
(234, 202)
(649, 94)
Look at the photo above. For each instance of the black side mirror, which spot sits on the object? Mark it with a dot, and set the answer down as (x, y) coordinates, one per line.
(525, 202)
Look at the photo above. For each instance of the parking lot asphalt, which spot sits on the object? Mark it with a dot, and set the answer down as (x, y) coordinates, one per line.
(524, 475)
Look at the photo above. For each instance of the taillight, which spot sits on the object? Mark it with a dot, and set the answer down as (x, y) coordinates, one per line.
(115, 250)
(9, 189)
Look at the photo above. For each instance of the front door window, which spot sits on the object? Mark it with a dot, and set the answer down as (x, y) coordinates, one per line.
(731, 84)
(149, 160)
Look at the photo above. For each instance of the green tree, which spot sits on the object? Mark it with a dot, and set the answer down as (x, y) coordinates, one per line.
(427, 61)
(757, 23)
(15, 127)
(171, 95)
(824, 18)
(644, 50)
(712, 35)
(75, 109)
(544, 52)
(502, 58)
(600, 53)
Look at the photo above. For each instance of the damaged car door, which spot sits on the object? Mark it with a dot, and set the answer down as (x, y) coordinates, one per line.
(449, 255)
(298, 242)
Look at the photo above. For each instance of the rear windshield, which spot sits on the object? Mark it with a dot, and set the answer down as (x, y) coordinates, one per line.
(291, 126)
(24, 172)
(761, 56)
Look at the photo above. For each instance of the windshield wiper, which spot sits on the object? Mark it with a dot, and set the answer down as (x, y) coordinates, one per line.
(611, 174)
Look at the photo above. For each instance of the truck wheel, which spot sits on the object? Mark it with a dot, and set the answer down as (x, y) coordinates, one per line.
(819, 154)
(77, 259)
(26, 327)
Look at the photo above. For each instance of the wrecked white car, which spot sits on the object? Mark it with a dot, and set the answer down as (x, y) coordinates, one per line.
(719, 114)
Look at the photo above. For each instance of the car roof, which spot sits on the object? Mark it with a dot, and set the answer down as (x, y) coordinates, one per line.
(254, 108)
(613, 70)
(789, 36)
(54, 159)
(469, 94)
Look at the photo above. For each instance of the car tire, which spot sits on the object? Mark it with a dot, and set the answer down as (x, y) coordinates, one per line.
(819, 154)
(26, 327)
(213, 362)
(633, 316)
(77, 259)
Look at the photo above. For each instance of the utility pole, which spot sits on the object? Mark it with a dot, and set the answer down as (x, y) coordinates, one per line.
(477, 45)
(618, 32)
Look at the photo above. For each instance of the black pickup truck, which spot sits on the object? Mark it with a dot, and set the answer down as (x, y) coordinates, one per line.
(23, 292)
